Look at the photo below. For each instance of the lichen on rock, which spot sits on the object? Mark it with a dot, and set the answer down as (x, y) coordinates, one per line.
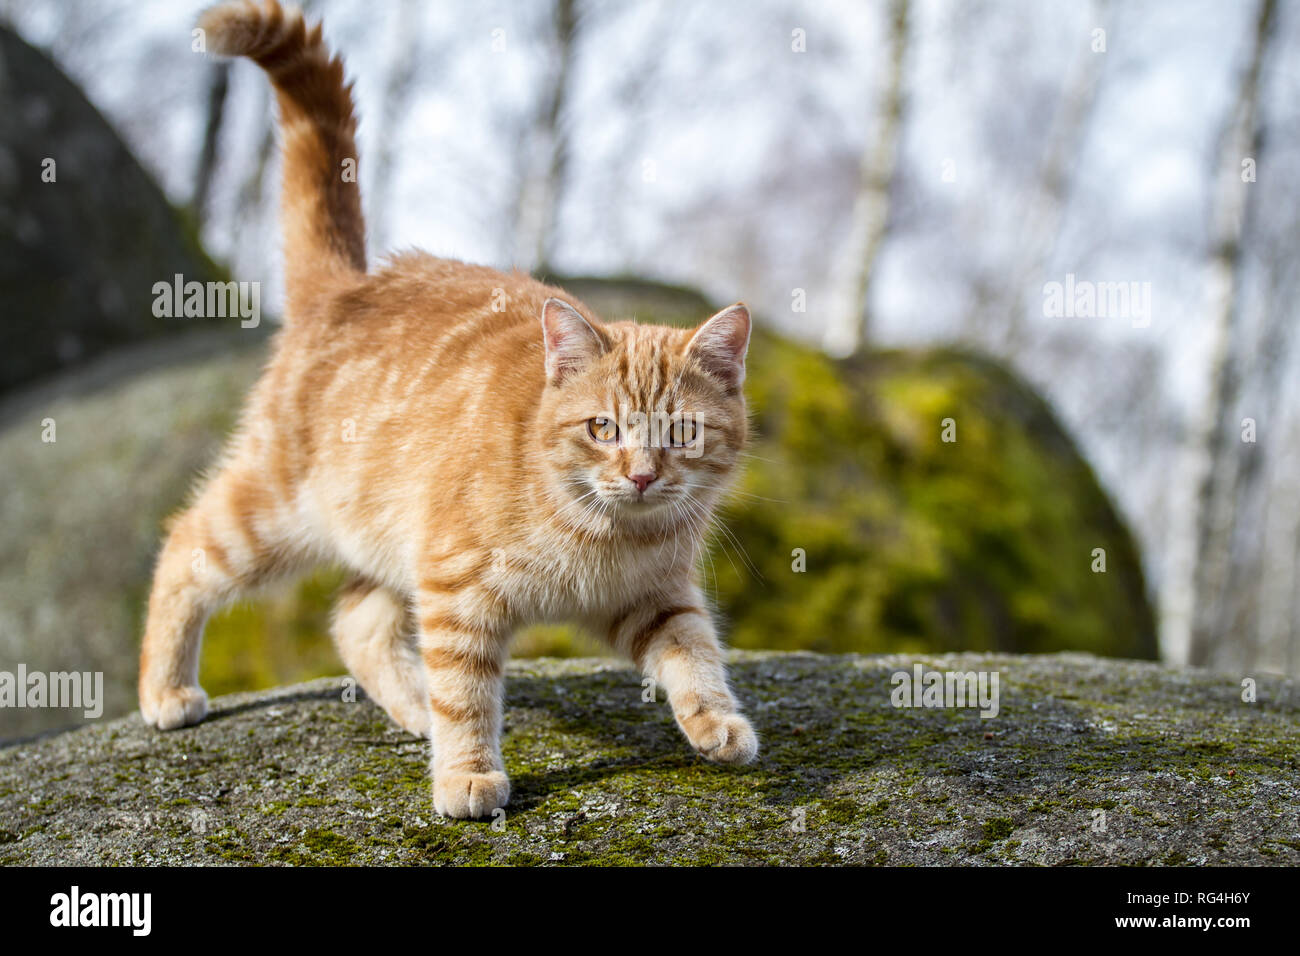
(1089, 761)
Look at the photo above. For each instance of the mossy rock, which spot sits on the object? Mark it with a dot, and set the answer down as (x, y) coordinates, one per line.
(1089, 761)
(906, 541)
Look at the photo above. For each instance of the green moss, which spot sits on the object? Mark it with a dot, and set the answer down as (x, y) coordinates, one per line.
(841, 811)
(230, 845)
(998, 828)
(327, 847)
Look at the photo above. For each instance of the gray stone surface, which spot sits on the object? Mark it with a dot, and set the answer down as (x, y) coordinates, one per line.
(1183, 769)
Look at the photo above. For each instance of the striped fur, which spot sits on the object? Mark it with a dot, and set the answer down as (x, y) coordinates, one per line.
(426, 426)
(324, 231)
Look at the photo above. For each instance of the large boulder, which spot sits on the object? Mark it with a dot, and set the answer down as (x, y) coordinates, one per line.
(1088, 761)
(87, 232)
(921, 500)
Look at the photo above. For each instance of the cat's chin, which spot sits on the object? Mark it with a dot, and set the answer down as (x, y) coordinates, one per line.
(641, 510)
(643, 506)
(635, 506)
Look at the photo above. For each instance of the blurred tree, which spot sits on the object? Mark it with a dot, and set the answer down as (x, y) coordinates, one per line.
(850, 293)
(405, 69)
(1264, 563)
(1213, 637)
(218, 93)
(544, 146)
(252, 205)
(1046, 204)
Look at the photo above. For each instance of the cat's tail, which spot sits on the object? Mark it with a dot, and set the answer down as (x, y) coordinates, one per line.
(320, 203)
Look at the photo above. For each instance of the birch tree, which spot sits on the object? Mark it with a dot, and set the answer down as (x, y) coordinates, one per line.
(848, 313)
(545, 146)
(1219, 446)
(1048, 202)
(399, 89)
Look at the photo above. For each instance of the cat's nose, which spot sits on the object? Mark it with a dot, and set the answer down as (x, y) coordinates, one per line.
(642, 480)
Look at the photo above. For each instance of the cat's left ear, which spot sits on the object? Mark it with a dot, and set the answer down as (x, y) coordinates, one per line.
(571, 341)
(720, 344)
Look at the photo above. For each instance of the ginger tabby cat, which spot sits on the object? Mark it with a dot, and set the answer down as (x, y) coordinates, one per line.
(467, 443)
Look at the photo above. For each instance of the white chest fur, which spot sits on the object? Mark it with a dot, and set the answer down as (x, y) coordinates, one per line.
(550, 581)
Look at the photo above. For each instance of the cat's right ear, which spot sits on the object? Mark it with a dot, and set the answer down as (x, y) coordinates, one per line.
(571, 341)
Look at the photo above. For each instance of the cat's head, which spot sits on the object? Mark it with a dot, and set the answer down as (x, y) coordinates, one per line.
(641, 425)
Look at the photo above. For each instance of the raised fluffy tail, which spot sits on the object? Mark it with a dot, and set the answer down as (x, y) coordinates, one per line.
(320, 203)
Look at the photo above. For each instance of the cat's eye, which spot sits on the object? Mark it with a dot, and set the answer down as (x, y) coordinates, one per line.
(683, 432)
(603, 430)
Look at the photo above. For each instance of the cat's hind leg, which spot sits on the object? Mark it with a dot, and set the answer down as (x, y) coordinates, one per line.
(375, 636)
(227, 543)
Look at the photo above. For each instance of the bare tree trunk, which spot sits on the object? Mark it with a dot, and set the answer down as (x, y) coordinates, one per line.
(1293, 631)
(250, 219)
(1040, 227)
(1219, 445)
(218, 90)
(403, 72)
(253, 189)
(1261, 570)
(848, 313)
(542, 189)
(557, 171)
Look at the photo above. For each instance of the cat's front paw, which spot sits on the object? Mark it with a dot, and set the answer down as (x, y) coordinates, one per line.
(723, 737)
(170, 707)
(468, 796)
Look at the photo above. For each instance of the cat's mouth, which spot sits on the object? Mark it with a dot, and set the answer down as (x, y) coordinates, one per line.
(633, 503)
(639, 502)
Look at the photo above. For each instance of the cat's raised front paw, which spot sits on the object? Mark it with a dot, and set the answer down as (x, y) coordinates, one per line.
(170, 707)
(470, 795)
(721, 737)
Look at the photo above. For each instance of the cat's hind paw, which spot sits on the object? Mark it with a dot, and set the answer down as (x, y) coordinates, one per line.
(467, 796)
(173, 707)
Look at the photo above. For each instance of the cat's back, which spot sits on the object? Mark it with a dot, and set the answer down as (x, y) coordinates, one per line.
(420, 329)
(419, 359)
(405, 381)
(416, 299)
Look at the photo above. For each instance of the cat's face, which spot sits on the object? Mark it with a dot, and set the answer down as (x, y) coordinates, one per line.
(642, 425)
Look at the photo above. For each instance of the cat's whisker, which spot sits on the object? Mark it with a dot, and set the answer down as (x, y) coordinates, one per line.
(744, 554)
(721, 527)
(736, 492)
